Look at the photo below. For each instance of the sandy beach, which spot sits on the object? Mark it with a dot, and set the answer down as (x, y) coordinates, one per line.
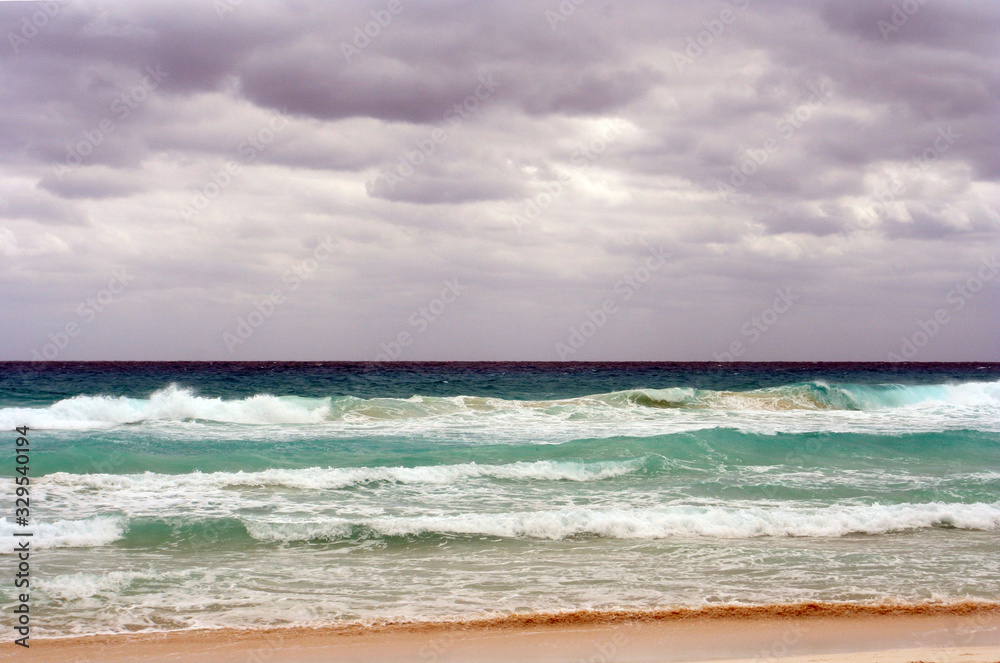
(966, 633)
(561, 331)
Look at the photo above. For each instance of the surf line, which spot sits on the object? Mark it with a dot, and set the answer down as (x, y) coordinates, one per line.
(22, 512)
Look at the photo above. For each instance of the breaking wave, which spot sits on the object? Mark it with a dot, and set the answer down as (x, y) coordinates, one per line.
(97, 531)
(175, 403)
(331, 478)
(661, 523)
(680, 521)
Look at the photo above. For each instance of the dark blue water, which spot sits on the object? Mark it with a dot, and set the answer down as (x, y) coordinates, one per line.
(45, 382)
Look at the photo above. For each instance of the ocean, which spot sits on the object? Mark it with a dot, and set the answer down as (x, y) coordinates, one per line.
(172, 496)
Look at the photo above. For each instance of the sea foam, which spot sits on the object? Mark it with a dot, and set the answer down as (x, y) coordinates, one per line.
(332, 478)
(662, 523)
(96, 531)
(176, 404)
(170, 404)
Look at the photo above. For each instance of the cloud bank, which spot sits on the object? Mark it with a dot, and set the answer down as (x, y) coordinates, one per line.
(293, 180)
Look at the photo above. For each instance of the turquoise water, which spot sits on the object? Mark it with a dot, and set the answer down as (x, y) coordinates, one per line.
(172, 496)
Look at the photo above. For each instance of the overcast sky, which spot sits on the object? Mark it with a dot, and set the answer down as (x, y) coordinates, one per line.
(589, 180)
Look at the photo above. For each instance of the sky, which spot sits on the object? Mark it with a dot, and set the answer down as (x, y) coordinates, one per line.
(500, 180)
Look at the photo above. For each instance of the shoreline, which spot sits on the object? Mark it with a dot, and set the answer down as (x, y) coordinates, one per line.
(899, 632)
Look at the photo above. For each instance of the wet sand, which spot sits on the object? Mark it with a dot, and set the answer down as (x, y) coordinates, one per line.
(812, 632)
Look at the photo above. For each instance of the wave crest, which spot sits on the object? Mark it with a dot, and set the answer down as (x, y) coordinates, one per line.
(681, 521)
(96, 531)
(664, 523)
(332, 478)
(647, 524)
(178, 404)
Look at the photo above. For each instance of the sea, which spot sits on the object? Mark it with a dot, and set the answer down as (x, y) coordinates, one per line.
(167, 496)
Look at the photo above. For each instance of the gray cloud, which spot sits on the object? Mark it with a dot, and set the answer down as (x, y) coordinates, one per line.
(842, 149)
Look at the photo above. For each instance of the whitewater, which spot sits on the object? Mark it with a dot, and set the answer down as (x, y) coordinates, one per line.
(172, 496)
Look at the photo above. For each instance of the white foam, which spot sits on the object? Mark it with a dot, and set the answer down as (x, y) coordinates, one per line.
(667, 522)
(276, 532)
(97, 531)
(791, 408)
(170, 404)
(78, 586)
(318, 478)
